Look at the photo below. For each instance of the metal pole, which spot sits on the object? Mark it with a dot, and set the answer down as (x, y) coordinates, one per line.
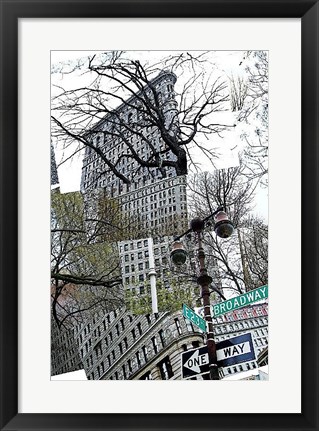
(152, 275)
(204, 280)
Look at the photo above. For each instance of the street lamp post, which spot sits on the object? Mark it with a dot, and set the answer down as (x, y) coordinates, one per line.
(223, 228)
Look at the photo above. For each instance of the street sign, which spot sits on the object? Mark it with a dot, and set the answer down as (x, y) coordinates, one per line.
(195, 362)
(194, 318)
(240, 301)
(235, 350)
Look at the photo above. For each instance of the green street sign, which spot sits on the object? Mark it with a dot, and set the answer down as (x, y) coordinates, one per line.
(194, 318)
(241, 301)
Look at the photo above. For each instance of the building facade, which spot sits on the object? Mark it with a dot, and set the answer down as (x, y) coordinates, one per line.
(253, 319)
(65, 356)
(122, 131)
(119, 345)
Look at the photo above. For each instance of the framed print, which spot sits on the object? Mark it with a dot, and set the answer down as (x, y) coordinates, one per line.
(149, 54)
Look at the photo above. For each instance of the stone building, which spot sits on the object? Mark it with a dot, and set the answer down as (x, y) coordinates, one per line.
(122, 130)
(253, 319)
(65, 356)
(155, 202)
(119, 346)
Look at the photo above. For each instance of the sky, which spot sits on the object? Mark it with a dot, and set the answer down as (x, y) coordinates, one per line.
(226, 63)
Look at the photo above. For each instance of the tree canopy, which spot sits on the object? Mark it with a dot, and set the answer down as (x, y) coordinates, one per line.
(182, 116)
(85, 266)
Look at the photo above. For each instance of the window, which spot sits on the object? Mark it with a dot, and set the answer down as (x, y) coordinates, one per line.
(138, 358)
(139, 327)
(144, 350)
(125, 343)
(178, 326)
(162, 337)
(122, 324)
(147, 376)
(124, 371)
(166, 369)
(98, 349)
(155, 345)
(133, 334)
(189, 325)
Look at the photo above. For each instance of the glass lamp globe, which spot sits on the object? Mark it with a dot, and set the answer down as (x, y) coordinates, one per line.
(223, 226)
(178, 253)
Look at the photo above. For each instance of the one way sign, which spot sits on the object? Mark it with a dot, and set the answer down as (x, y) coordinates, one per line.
(235, 350)
(195, 362)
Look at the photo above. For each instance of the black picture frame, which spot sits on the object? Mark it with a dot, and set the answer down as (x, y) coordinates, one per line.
(11, 11)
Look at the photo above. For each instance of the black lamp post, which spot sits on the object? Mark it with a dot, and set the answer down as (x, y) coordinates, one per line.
(223, 228)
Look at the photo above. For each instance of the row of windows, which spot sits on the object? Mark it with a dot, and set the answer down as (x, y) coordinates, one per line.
(252, 311)
(170, 192)
(61, 359)
(259, 320)
(132, 245)
(260, 341)
(164, 207)
(158, 187)
(108, 340)
(109, 318)
(116, 187)
(241, 367)
(163, 187)
(141, 356)
(240, 325)
(69, 366)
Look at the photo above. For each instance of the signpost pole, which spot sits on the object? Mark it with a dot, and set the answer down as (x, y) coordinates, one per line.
(204, 280)
(223, 228)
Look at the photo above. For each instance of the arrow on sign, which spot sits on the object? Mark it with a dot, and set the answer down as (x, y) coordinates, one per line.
(195, 361)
